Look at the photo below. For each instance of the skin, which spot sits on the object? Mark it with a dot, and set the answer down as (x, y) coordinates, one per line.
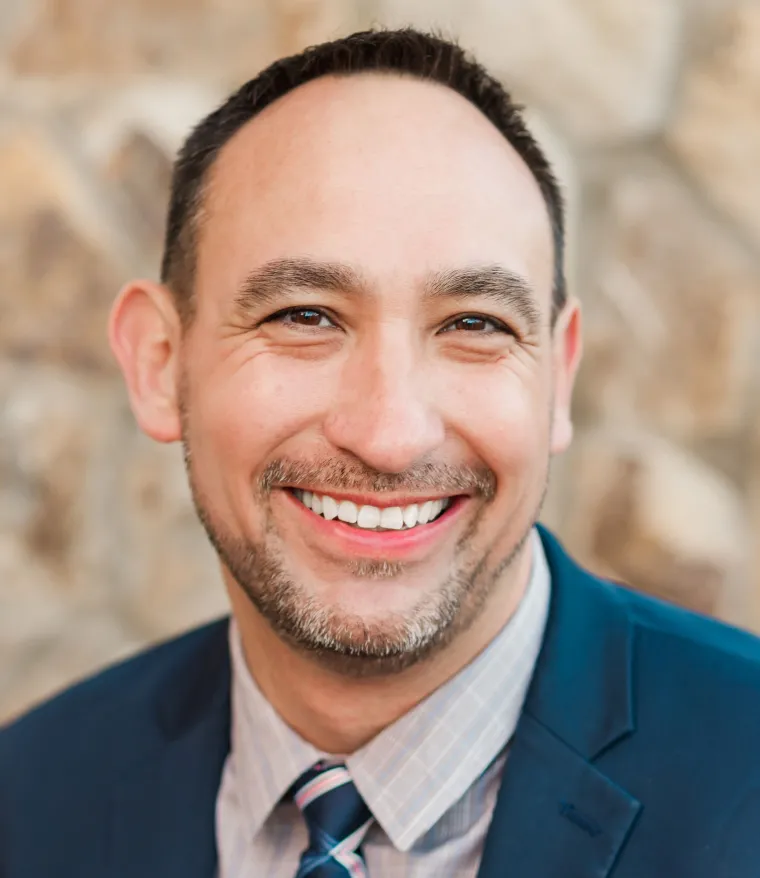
(379, 391)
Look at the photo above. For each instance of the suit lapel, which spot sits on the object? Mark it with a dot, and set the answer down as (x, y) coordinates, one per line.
(162, 816)
(556, 813)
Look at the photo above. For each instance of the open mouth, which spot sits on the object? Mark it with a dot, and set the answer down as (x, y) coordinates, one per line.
(373, 518)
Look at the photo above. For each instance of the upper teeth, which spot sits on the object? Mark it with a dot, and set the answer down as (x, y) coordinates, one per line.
(371, 517)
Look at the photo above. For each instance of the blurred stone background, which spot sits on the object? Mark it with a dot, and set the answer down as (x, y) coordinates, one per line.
(651, 111)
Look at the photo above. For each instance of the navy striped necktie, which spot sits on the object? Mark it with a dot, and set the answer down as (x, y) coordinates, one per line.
(337, 820)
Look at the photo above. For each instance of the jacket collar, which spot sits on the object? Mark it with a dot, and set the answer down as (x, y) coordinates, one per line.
(162, 814)
(557, 813)
(579, 704)
(581, 687)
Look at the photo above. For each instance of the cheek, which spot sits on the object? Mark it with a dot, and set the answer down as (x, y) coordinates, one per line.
(242, 414)
(503, 417)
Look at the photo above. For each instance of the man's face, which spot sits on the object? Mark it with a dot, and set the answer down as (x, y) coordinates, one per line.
(373, 329)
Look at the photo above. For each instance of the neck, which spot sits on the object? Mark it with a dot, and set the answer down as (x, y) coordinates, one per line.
(338, 714)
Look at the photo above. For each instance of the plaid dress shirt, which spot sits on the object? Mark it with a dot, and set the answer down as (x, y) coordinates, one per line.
(430, 779)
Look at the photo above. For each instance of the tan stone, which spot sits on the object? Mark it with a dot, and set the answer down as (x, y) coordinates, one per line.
(62, 293)
(647, 513)
(301, 23)
(32, 603)
(160, 108)
(128, 139)
(142, 172)
(671, 308)
(52, 426)
(50, 432)
(564, 165)
(173, 577)
(602, 68)
(58, 277)
(95, 522)
(220, 40)
(715, 130)
(100, 549)
(97, 37)
(11, 16)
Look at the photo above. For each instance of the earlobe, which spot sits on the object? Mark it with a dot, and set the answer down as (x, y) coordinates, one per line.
(144, 333)
(562, 432)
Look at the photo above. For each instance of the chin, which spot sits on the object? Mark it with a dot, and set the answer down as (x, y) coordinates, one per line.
(370, 598)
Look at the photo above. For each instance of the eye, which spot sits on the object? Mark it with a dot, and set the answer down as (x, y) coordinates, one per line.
(306, 317)
(476, 324)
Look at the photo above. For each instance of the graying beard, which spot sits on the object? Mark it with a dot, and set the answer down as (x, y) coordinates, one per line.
(348, 645)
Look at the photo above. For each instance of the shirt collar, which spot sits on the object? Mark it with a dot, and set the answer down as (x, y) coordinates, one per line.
(416, 769)
(266, 754)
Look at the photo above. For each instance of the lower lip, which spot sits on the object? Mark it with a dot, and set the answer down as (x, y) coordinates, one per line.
(388, 544)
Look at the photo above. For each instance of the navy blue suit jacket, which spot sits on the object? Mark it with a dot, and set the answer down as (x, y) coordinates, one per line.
(637, 754)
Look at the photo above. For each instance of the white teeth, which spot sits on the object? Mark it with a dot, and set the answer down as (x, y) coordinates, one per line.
(425, 512)
(392, 518)
(348, 512)
(329, 508)
(369, 517)
(372, 517)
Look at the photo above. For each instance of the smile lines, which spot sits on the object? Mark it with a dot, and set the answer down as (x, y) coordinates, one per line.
(373, 517)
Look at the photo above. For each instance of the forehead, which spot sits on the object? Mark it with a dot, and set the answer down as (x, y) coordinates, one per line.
(392, 174)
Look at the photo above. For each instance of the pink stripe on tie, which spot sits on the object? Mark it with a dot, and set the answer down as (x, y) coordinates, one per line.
(330, 780)
(352, 863)
(353, 841)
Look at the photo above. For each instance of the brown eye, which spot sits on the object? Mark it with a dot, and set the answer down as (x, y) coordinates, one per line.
(474, 323)
(307, 317)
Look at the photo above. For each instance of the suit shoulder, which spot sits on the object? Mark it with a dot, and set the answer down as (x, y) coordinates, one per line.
(89, 710)
(711, 648)
(678, 632)
(62, 761)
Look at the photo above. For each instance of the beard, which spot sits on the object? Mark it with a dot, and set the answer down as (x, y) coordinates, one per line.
(348, 643)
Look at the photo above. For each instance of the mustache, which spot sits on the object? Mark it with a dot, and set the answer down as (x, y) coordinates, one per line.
(355, 476)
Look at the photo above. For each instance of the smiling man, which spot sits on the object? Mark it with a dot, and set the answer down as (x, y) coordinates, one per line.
(363, 341)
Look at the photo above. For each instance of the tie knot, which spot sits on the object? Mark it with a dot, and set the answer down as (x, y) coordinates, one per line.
(335, 813)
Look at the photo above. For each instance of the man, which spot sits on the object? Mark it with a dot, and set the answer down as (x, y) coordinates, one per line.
(362, 338)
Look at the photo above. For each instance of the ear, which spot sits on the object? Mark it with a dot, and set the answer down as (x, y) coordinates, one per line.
(567, 348)
(145, 333)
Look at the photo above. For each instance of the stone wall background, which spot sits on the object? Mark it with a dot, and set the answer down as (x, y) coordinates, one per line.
(651, 111)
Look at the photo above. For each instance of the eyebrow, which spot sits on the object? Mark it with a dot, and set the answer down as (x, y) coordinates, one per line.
(267, 284)
(506, 288)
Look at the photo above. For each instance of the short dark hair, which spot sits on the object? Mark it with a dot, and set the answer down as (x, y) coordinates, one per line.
(407, 52)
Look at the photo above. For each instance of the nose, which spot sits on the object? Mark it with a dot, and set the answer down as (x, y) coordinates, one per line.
(386, 413)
